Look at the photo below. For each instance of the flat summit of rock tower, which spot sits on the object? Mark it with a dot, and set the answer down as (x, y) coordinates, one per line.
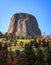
(24, 25)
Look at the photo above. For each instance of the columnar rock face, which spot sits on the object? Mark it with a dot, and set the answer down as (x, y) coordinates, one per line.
(24, 25)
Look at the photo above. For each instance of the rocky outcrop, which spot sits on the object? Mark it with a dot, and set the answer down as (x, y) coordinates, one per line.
(23, 24)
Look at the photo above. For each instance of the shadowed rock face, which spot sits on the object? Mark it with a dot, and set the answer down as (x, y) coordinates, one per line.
(24, 25)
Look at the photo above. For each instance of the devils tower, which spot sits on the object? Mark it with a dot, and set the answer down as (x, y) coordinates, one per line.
(24, 25)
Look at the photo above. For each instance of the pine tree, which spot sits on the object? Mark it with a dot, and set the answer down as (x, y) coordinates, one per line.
(29, 55)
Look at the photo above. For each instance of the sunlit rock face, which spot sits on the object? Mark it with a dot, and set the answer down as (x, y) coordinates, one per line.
(24, 25)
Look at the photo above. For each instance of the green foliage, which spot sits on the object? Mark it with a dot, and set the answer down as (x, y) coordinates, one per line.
(29, 51)
(49, 56)
(17, 52)
(29, 55)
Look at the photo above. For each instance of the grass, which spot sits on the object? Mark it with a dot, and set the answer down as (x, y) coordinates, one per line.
(18, 40)
(18, 47)
(24, 40)
(0, 39)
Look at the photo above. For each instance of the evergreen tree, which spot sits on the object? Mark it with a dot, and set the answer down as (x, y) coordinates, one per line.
(29, 55)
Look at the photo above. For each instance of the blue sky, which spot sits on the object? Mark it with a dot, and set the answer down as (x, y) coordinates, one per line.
(41, 9)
